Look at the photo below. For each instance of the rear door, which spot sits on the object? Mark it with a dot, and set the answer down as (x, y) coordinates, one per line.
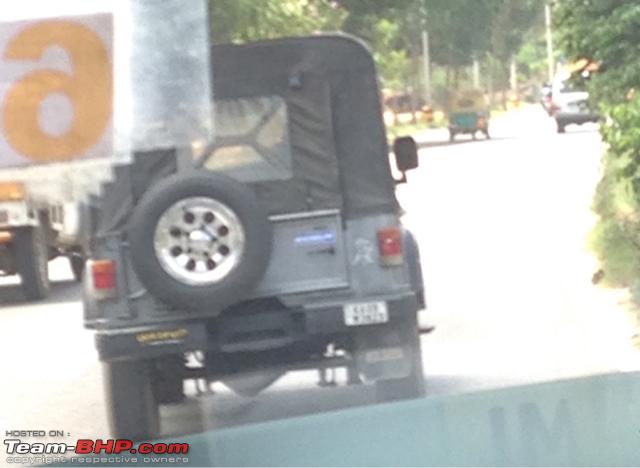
(308, 254)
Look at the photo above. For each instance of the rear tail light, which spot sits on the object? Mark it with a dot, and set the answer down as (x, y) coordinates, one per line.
(103, 276)
(390, 246)
(5, 237)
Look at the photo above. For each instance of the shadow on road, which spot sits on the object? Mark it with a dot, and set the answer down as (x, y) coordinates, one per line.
(61, 291)
(223, 410)
(435, 144)
(578, 131)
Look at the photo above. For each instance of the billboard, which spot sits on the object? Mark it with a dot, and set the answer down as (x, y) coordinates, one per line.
(56, 90)
(84, 84)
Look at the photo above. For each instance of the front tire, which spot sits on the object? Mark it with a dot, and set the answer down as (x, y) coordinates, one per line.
(561, 127)
(32, 262)
(166, 380)
(132, 407)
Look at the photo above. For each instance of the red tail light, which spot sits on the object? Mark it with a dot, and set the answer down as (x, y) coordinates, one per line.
(103, 274)
(390, 246)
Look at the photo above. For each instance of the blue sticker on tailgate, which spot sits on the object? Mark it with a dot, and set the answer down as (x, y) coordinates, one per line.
(316, 238)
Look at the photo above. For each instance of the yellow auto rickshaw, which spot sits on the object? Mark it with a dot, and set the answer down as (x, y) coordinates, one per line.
(468, 113)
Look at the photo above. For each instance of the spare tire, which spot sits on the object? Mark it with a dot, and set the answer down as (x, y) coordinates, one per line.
(200, 241)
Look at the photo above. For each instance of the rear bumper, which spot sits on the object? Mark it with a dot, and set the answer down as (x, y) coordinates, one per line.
(244, 332)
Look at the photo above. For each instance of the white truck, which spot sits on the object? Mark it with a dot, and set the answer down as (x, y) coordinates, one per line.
(80, 95)
(32, 232)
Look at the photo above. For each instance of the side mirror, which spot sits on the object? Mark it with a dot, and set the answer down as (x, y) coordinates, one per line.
(405, 150)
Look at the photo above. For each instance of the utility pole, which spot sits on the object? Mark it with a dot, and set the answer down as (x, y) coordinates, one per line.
(550, 59)
(426, 59)
(476, 73)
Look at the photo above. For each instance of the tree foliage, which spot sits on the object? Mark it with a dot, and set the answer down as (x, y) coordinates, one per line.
(250, 20)
(459, 30)
(608, 32)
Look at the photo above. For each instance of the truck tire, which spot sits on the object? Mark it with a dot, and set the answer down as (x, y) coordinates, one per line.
(32, 262)
(412, 256)
(200, 241)
(167, 381)
(132, 408)
(412, 386)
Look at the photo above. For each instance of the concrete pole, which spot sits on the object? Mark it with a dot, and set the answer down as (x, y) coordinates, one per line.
(550, 59)
(513, 75)
(476, 73)
(426, 64)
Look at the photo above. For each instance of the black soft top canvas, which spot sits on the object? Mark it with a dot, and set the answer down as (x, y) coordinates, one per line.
(340, 152)
(337, 136)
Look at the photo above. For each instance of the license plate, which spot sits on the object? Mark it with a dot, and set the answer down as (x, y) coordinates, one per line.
(365, 313)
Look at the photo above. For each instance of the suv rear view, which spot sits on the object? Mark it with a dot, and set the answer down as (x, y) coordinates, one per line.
(570, 104)
(278, 247)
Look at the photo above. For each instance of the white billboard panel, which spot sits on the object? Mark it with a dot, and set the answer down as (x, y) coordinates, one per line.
(56, 90)
(84, 84)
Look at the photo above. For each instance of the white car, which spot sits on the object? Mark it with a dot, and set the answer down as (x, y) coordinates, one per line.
(570, 105)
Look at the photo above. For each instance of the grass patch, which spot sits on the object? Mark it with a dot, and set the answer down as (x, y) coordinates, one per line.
(613, 242)
(408, 128)
(616, 237)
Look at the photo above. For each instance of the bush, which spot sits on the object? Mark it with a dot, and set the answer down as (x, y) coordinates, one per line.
(616, 238)
(607, 32)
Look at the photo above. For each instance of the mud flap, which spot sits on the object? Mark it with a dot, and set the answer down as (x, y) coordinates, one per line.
(382, 355)
(390, 351)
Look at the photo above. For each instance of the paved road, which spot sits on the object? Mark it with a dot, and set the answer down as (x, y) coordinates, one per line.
(502, 225)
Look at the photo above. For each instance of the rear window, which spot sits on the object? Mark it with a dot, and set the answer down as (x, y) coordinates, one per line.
(252, 139)
(573, 85)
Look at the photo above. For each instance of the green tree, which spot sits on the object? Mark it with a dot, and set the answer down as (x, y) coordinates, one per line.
(607, 32)
(392, 59)
(250, 20)
(459, 30)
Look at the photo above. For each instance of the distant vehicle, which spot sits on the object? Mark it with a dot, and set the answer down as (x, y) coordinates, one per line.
(570, 105)
(468, 114)
(570, 102)
(546, 97)
(402, 105)
(279, 248)
(34, 232)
